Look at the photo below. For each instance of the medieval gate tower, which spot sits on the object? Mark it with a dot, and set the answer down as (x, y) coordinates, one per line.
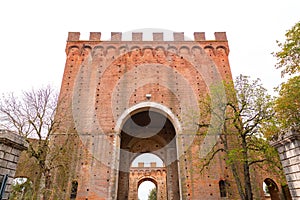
(124, 98)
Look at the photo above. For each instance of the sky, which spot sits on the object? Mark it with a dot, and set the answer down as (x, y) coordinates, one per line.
(33, 33)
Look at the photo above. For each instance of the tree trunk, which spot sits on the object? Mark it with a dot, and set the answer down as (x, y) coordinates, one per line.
(234, 170)
(47, 184)
(247, 181)
(238, 181)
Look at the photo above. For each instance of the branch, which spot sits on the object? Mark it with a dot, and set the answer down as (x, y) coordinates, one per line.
(211, 158)
(257, 161)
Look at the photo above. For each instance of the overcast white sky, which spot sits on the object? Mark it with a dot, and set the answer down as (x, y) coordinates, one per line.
(33, 33)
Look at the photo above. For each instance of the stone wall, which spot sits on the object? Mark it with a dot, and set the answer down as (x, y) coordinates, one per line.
(11, 146)
(288, 146)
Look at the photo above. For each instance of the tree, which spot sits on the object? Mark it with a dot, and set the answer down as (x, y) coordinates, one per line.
(32, 117)
(287, 104)
(152, 194)
(242, 114)
(289, 55)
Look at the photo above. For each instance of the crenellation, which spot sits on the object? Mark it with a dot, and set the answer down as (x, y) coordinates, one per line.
(158, 36)
(116, 36)
(178, 36)
(137, 36)
(220, 36)
(199, 36)
(95, 36)
(73, 36)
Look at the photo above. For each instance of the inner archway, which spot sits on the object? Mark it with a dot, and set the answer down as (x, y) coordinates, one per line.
(145, 188)
(271, 189)
(148, 131)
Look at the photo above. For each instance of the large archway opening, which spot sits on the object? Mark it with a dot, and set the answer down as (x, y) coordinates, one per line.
(148, 131)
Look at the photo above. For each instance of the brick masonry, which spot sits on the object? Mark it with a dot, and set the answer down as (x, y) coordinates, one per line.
(11, 146)
(288, 146)
(157, 175)
(106, 84)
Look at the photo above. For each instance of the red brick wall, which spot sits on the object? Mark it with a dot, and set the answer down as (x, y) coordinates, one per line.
(103, 79)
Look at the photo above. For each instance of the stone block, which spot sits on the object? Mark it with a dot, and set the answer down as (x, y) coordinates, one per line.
(15, 152)
(9, 157)
(292, 152)
(12, 166)
(2, 153)
(3, 163)
(4, 170)
(294, 177)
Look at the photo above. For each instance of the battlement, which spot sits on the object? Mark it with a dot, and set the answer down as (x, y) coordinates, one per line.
(156, 36)
(143, 165)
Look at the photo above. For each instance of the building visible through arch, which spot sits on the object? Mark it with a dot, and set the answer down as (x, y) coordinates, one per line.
(124, 98)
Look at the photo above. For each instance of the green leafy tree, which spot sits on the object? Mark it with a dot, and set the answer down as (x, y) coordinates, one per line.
(289, 55)
(242, 114)
(287, 104)
(152, 194)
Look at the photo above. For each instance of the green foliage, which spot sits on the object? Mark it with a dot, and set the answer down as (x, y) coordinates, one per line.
(152, 194)
(243, 114)
(289, 55)
(22, 191)
(287, 105)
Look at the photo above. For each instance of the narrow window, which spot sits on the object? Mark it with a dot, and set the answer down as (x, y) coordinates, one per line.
(74, 190)
(222, 186)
